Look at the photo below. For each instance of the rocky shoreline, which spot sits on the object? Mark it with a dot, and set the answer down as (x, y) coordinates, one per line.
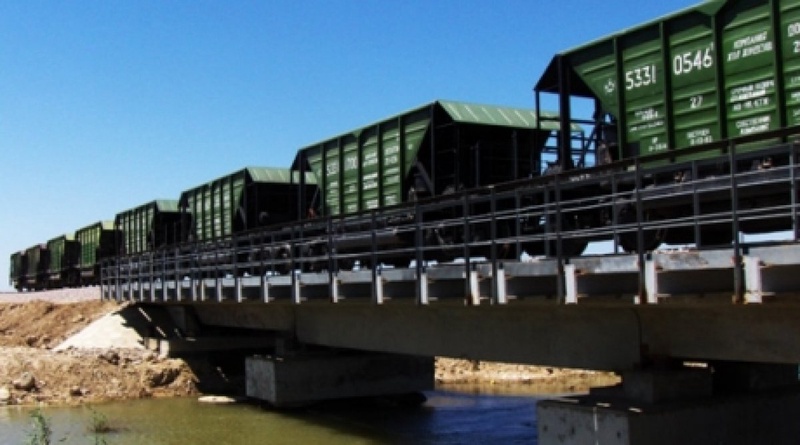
(35, 370)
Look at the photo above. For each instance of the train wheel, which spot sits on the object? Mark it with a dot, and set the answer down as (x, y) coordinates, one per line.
(715, 236)
(629, 241)
(570, 247)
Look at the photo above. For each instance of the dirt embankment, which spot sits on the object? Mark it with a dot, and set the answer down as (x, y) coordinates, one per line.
(33, 370)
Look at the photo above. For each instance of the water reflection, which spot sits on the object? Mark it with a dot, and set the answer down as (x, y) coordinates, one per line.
(446, 418)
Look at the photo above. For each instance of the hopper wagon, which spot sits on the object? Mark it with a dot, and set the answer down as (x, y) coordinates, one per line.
(36, 274)
(18, 266)
(97, 243)
(62, 270)
(148, 227)
(427, 153)
(224, 216)
(670, 91)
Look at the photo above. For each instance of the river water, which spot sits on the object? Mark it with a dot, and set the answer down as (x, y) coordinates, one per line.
(447, 417)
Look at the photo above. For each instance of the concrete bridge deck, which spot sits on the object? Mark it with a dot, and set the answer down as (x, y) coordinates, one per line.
(612, 314)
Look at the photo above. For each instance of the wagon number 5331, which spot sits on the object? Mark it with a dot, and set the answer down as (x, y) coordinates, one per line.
(640, 77)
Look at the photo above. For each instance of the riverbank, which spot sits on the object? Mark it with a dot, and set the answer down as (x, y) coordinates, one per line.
(37, 368)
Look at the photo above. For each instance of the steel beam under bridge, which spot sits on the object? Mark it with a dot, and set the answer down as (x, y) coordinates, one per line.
(607, 338)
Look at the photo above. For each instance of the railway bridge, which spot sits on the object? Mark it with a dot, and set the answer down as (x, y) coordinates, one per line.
(705, 336)
(687, 340)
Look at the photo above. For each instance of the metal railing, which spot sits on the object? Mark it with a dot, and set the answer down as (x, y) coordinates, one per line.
(629, 203)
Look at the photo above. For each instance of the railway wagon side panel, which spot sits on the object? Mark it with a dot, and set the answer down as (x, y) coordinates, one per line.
(38, 264)
(366, 169)
(244, 200)
(789, 32)
(64, 259)
(719, 70)
(96, 243)
(692, 68)
(64, 253)
(749, 66)
(17, 270)
(148, 227)
(435, 149)
(645, 108)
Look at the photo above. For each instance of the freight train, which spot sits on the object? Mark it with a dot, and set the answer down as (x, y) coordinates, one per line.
(643, 116)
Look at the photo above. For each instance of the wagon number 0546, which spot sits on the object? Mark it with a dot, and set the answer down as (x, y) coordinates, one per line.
(693, 61)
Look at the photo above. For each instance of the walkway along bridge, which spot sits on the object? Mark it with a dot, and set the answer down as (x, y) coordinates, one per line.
(706, 337)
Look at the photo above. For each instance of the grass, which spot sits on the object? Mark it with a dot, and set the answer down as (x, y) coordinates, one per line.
(99, 424)
(41, 432)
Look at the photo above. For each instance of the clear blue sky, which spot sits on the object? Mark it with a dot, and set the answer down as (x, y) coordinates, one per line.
(105, 104)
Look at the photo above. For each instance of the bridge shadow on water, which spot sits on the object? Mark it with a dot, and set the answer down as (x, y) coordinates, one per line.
(445, 417)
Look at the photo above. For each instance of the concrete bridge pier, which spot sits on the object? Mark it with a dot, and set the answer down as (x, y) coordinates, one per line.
(300, 378)
(725, 403)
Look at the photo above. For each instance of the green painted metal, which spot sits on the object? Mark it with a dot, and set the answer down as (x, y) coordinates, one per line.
(748, 55)
(790, 52)
(366, 168)
(64, 253)
(148, 227)
(645, 109)
(96, 241)
(721, 69)
(500, 116)
(243, 200)
(38, 260)
(695, 96)
(17, 268)
(336, 162)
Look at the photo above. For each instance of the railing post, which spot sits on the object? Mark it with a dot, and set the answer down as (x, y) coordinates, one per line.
(498, 281)
(517, 225)
(466, 251)
(698, 238)
(738, 266)
(377, 295)
(793, 188)
(419, 263)
(639, 232)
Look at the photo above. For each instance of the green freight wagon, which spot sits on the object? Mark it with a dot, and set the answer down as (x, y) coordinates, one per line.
(243, 200)
(64, 257)
(97, 243)
(18, 270)
(715, 71)
(428, 151)
(38, 264)
(148, 227)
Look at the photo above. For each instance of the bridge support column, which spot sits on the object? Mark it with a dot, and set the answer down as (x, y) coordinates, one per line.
(300, 379)
(736, 403)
